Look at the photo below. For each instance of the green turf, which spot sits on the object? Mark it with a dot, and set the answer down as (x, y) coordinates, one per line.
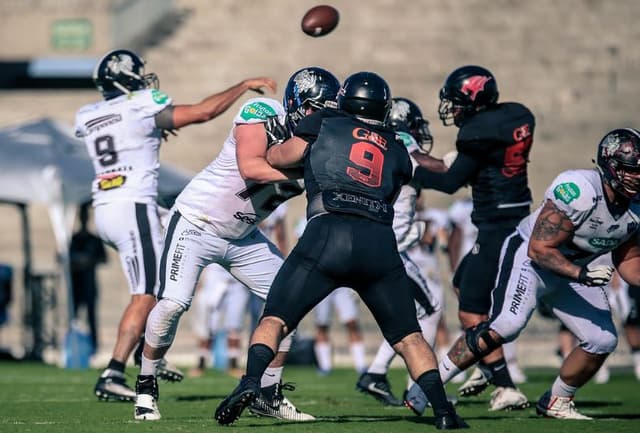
(39, 398)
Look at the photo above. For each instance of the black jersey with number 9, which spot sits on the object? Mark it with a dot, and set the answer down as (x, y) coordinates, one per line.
(352, 166)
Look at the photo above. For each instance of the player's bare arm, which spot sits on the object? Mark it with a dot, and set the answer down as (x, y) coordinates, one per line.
(552, 228)
(251, 147)
(288, 154)
(429, 162)
(214, 105)
(626, 259)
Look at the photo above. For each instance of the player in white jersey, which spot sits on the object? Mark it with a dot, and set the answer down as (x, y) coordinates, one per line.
(215, 220)
(406, 118)
(123, 134)
(552, 257)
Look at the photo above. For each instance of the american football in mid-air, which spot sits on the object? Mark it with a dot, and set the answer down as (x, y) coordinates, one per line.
(320, 20)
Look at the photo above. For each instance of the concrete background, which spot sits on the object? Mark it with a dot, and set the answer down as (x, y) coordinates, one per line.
(575, 63)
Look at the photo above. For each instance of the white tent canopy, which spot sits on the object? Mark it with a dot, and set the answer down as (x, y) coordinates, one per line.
(41, 162)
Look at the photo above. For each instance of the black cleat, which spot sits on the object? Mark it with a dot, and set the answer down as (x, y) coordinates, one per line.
(113, 388)
(242, 396)
(450, 422)
(377, 386)
(168, 372)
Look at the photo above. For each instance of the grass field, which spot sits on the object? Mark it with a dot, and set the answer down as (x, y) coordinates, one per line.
(40, 398)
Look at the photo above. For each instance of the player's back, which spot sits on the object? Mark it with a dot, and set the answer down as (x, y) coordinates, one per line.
(123, 142)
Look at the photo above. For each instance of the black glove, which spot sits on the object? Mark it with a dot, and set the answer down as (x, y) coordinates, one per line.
(599, 275)
(276, 132)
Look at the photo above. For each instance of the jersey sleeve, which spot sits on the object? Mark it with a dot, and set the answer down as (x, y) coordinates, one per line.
(258, 110)
(150, 102)
(309, 126)
(573, 195)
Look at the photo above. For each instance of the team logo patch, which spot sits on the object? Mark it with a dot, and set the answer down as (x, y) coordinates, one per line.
(566, 192)
(257, 110)
(603, 242)
(106, 183)
(159, 97)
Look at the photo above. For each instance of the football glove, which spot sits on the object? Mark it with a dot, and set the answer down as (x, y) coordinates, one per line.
(276, 132)
(599, 275)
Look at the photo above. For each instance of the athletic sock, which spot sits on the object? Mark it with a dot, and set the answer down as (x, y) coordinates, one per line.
(323, 355)
(447, 369)
(116, 366)
(500, 374)
(259, 357)
(358, 355)
(433, 388)
(271, 376)
(148, 367)
(561, 389)
(382, 360)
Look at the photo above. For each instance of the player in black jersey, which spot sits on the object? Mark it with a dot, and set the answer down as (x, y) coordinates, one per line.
(353, 168)
(493, 145)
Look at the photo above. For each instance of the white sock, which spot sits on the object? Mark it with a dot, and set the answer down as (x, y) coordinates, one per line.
(381, 362)
(447, 369)
(442, 352)
(357, 353)
(271, 376)
(635, 355)
(148, 366)
(510, 353)
(561, 389)
(323, 355)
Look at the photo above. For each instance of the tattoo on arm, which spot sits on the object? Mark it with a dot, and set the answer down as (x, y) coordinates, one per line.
(460, 354)
(552, 228)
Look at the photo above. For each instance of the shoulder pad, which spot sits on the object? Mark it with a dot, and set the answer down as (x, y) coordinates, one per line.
(150, 101)
(572, 190)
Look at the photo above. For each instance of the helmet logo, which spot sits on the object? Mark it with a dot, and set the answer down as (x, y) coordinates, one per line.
(120, 63)
(400, 109)
(611, 146)
(473, 85)
(305, 80)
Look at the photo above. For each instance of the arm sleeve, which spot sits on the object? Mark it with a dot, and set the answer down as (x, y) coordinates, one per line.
(459, 174)
(164, 118)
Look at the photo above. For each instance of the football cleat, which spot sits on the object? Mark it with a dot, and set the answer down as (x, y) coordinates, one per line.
(377, 386)
(271, 402)
(503, 398)
(450, 422)
(553, 406)
(146, 406)
(168, 372)
(242, 396)
(112, 386)
(476, 383)
(417, 401)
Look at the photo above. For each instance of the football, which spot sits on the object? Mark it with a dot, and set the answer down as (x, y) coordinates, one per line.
(320, 20)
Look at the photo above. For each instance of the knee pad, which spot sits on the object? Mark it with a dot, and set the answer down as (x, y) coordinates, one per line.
(602, 343)
(481, 332)
(162, 323)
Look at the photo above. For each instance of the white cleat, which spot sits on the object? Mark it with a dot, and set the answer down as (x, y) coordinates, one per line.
(516, 373)
(278, 406)
(503, 398)
(476, 383)
(558, 407)
(146, 408)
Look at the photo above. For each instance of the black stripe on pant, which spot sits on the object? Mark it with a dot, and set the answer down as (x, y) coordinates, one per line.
(148, 252)
(167, 243)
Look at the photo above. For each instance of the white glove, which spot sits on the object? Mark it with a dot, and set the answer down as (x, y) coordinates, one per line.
(449, 158)
(599, 275)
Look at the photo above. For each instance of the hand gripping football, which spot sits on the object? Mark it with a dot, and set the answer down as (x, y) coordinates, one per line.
(320, 20)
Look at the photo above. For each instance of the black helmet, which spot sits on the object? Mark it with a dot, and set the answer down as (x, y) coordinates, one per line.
(406, 116)
(367, 95)
(308, 88)
(619, 161)
(466, 90)
(120, 72)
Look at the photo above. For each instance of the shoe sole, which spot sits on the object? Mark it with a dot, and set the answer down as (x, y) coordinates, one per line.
(474, 390)
(379, 397)
(512, 407)
(108, 396)
(169, 377)
(147, 417)
(234, 407)
(411, 408)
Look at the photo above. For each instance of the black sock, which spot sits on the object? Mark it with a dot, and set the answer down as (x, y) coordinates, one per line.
(116, 365)
(258, 359)
(432, 386)
(500, 374)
